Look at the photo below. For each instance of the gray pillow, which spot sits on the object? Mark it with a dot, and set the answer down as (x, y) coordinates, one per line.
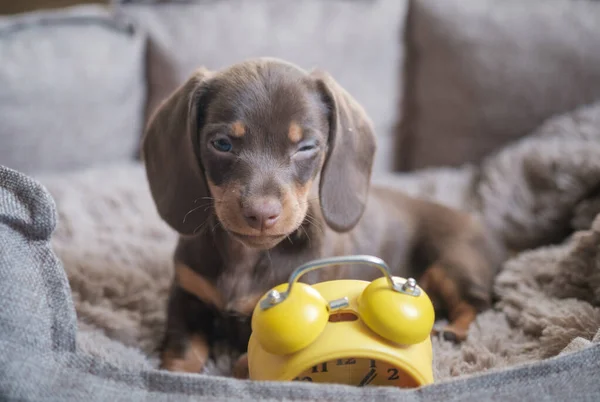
(484, 72)
(72, 89)
(358, 41)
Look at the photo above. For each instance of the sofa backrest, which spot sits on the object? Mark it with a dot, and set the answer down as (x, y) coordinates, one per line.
(72, 89)
(446, 82)
(95, 89)
(483, 73)
(359, 42)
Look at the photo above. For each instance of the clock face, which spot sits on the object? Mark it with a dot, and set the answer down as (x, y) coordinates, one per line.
(360, 372)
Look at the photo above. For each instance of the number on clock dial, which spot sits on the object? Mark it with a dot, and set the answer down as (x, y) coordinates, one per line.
(361, 372)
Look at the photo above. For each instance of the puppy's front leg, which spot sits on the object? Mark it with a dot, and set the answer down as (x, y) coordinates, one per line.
(186, 346)
(240, 368)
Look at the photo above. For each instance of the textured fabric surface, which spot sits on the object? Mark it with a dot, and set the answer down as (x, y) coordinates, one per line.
(117, 252)
(40, 361)
(73, 91)
(358, 42)
(482, 73)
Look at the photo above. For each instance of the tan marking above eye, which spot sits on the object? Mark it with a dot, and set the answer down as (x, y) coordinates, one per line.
(295, 133)
(238, 129)
(197, 285)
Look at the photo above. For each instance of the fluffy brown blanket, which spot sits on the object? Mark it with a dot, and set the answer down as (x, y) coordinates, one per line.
(540, 196)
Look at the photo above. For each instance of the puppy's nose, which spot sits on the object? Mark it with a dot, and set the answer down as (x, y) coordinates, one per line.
(262, 213)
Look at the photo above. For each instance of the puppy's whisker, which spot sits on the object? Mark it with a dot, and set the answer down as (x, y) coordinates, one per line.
(313, 224)
(307, 235)
(209, 204)
(203, 198)
(311, 220)
(201, 226)
(312, 199)
(308, 201)
(216, 225)
(191, 210)
(269, 256)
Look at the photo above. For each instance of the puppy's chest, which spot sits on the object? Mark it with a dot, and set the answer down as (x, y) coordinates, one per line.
(244, 280)
(243, 275)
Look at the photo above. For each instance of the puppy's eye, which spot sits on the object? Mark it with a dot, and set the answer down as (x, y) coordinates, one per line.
(307, 147)
(306, 151)
(222, 145)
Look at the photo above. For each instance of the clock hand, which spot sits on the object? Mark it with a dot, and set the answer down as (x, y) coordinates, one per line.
(368, 378)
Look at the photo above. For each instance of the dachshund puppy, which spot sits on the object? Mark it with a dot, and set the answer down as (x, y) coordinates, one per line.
(262, 167)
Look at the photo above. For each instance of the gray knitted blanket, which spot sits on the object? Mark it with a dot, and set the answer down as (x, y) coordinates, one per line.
(83, 300)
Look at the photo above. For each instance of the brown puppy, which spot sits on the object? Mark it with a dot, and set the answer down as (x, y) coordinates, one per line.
(263, 166)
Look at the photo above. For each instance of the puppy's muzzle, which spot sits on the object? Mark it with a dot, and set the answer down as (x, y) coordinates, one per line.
(262, 213)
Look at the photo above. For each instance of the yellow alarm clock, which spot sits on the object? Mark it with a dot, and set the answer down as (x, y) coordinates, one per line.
(344, 331)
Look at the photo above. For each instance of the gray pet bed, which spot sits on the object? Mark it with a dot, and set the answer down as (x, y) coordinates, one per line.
(82, 300)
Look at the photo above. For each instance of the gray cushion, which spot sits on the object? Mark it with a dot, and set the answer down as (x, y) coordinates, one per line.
(483, 73)
(39, 359)
(73, 90)
(358, 41)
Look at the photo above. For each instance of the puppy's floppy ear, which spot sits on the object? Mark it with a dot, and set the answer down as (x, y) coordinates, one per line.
(170, 152)
(346, 173)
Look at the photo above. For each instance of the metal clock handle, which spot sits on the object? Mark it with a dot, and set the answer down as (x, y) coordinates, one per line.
(274, 297)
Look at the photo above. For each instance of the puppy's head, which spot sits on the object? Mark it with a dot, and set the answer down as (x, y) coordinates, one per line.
(249, 142)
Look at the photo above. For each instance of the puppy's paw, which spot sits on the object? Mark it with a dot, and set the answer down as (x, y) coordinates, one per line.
(240, 368)
(451, 334)
(445, 292)
(191, 360)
